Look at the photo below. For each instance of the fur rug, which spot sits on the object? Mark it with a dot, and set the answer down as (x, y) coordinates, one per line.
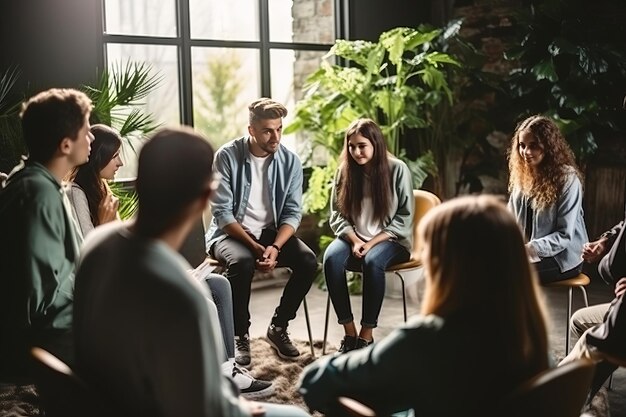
(284, 374)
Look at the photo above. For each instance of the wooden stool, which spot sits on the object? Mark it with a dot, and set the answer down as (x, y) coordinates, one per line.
(579, 281)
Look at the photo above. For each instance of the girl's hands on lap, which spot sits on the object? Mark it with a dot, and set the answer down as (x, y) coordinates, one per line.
(358, 249)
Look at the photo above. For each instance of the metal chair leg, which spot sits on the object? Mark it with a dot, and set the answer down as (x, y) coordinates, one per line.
(326, 324)
(308, 326)
(569, 315)
(403, 294)
(584, 295)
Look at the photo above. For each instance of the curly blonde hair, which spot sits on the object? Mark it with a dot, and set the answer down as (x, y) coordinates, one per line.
(543, 184)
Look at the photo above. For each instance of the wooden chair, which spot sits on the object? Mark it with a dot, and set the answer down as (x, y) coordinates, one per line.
(194, 251)
(556, 392)
(62, 392)
(579, 281)
(424, 201)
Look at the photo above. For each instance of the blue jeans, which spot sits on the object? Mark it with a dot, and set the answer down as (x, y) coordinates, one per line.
(223, 299)
(338, 258)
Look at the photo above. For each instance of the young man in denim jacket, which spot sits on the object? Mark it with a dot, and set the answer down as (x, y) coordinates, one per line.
(256, 212)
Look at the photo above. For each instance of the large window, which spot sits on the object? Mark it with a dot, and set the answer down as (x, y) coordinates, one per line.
(216, 56)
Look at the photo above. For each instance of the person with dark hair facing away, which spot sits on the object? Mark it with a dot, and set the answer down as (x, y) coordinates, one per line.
(147, 335)
(372, 208)
(90, 195)
(256, 212)
(464, 286)
(38, 239)
(547, 198)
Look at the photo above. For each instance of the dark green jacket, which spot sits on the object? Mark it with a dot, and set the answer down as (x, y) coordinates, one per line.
(439, 368)
(38, 251)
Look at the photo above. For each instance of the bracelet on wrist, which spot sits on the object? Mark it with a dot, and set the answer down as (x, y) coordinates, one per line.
(275, 247)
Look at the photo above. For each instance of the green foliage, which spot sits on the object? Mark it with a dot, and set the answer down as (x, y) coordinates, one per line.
(217, 112)
(572, 67)
(118, 97)
(128, 200)
(401, 82)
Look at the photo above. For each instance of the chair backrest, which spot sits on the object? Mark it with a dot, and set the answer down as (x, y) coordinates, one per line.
(424, 201)
(62, 392)
(556, 392)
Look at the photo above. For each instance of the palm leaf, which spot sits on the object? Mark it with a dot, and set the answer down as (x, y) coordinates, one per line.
(128, 200)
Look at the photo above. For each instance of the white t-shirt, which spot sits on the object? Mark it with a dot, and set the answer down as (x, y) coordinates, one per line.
(259, 209)
(364, 224)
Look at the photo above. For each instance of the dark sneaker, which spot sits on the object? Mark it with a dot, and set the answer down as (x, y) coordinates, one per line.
(361, 343)
(347, 344)
(278, 338)
(250, 387)
(242, 350)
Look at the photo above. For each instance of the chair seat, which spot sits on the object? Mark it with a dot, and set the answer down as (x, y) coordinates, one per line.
(577, 281)
(410, 264)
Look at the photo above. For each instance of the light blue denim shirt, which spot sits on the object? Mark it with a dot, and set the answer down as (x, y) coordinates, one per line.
(399, 222)
(232, 162)
(559, 230)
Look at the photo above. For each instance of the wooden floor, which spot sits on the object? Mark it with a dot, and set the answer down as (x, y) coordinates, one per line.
(265, 299)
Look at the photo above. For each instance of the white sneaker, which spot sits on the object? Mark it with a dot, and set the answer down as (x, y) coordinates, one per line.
(249, 386)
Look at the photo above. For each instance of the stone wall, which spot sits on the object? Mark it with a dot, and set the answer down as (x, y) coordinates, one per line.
(313, 22)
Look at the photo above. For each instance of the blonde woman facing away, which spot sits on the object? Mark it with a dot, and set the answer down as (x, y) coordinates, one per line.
(546, 198)
(480, 333)
(90, 195)
(371, 214)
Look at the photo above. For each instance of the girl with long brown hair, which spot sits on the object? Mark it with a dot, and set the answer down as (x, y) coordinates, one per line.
(371, 214)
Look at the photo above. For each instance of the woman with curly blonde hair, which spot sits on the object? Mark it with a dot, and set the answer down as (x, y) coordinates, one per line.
(546, 196)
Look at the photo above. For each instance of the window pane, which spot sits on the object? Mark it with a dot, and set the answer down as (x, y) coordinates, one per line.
(140, 17)
(234, 20)
(303, 21)
(289, 72)
(225, 81)
(163, 102)
(281, 22)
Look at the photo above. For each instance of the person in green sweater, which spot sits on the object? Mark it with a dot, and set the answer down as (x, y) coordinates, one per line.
(39, 240)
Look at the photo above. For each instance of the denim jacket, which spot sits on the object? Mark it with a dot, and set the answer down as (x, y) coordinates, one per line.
(559, 230)
(399, 223)
(232, 162)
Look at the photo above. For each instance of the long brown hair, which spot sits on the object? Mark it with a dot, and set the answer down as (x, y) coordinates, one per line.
(350, 187)
(543, 184)
(462, 277)
(107, 141)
